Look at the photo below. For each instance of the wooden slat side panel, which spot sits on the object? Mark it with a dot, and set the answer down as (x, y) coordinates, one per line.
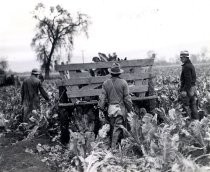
(138, 89)
(96, 102)
(64, 75)
(139, 82)
(79, 74)
(72, 88)
(145, 82)
(97, 92)
(90, 87)
(127, 69)
(84, 93)
(71, 74)
(87, 66)
(146, 69)
(138, 70)
(101, 79)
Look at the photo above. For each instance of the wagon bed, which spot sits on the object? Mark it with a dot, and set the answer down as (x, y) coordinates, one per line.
(83, 88)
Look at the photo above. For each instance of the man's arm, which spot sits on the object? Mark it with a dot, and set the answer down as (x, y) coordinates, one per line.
(102, 99)
(187, 78)
(22, 93)
(127, 98)
(43, 92)
(181, 84)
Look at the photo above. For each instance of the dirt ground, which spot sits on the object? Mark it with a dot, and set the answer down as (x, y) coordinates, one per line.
(13, 157)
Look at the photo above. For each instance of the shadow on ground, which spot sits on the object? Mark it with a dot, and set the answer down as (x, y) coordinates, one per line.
(13, 157)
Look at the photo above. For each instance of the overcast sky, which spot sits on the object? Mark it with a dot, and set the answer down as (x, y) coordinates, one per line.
(128, 27)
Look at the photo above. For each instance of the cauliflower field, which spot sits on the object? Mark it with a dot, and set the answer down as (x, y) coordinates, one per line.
(167, 142)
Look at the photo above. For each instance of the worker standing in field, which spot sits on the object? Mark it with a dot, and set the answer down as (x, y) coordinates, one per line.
(30, 94)
(115, 92)
(188, 87)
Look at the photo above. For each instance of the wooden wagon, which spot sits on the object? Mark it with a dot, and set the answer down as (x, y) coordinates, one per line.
(81, 87)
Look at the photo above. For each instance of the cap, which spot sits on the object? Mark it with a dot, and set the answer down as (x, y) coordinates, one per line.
(35, 71)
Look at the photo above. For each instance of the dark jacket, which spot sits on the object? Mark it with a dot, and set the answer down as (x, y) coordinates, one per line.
(30, 92)
(188, 76)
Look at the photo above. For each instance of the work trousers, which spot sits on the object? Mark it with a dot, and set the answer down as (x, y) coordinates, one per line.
(116, 115)
(27, 109)
(190, 103)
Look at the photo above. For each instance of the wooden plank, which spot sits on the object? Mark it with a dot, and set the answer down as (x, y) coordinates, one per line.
(79, 74)
(138, 70)
(146, 69)
(139, 82)
(97, 92)
(96, 102)
(72, 74)
(73, 88)
(84, 93)
(123, 63)
(90, 87)
(101, 79)
(140, 94)
(138, 89)
(64, 75)
(145, 82)
(78, 103)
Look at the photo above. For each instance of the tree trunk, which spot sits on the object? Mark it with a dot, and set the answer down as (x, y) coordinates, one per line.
(47, 71)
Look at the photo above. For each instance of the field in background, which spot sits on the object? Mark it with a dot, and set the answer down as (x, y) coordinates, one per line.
(175, 144)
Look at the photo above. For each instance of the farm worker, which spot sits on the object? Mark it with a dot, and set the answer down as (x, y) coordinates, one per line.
(30, 94)
(17, 82)
(115, 91)
(187, 88)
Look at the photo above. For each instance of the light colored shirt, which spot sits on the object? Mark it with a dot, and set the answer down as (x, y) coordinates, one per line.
(115, 91)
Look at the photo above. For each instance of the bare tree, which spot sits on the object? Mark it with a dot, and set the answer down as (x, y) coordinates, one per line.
(55, 31)
(3, 63)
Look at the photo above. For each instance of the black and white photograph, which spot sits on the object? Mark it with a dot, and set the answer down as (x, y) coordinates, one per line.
(105, 86)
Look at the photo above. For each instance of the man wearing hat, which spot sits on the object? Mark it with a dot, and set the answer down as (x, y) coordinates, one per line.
(115, 92)
(30, 94)
(188, 89)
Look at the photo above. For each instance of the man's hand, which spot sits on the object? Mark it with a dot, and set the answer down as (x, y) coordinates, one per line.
(183, 93)
(101, 115)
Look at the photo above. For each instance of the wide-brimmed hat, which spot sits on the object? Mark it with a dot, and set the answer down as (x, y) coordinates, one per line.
(184, 53)
(115, 69)
(35, 71)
